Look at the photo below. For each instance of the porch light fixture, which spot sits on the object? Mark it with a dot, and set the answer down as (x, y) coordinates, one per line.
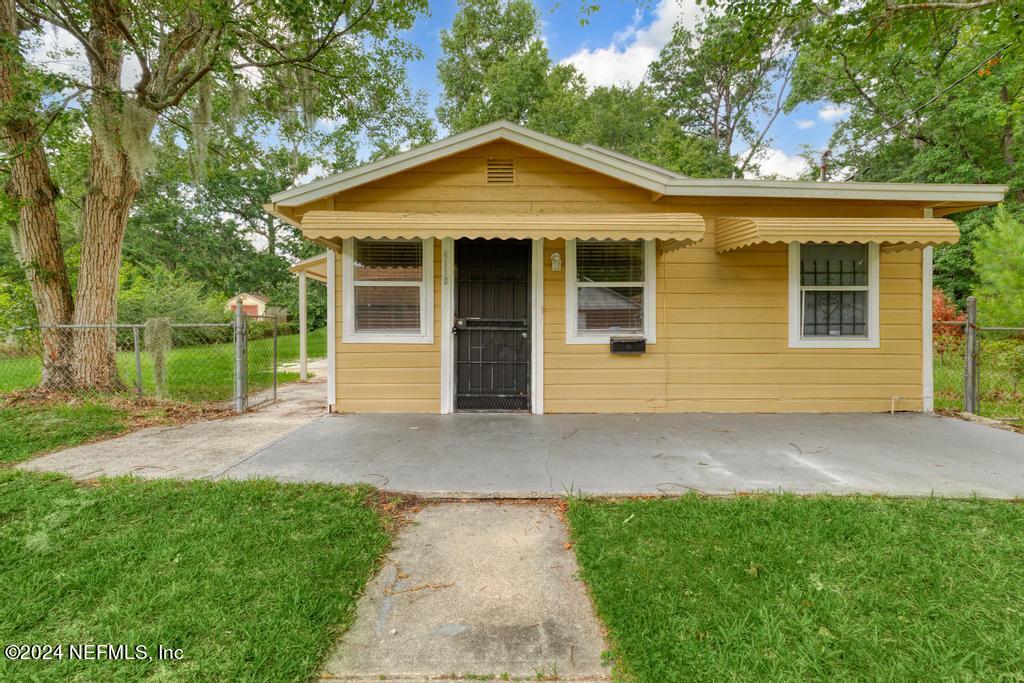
(556, 262)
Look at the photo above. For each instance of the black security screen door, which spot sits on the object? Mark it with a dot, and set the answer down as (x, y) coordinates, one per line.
(492, 324)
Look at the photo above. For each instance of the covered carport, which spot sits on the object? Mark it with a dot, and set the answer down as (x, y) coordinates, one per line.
(312, 268)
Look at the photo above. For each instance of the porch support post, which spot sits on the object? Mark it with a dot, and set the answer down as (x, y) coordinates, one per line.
(332, 331)
(537, 327)
(927, 369)
(302, 327)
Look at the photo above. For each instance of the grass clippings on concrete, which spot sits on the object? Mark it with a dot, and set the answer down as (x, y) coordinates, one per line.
(251, 580)
(815, 588)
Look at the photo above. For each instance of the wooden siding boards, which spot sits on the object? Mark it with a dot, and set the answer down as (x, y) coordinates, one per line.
(389, 378)
(721, 318)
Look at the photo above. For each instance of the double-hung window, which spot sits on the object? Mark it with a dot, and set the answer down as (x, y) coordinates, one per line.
(388, 291)
(609, 290)
(833, 296)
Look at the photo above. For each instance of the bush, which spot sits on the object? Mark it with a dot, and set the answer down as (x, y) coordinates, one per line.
(999, 255)
(161, 293)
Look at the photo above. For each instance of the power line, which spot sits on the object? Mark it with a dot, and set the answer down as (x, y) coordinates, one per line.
(934, 98)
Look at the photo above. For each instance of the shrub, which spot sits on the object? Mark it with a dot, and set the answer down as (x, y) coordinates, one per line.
(161, 293)
(999, 255)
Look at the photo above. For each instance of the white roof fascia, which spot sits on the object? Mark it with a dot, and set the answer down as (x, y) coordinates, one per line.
(913, 192)
(629, 172)
(635, 162)
(633, 171)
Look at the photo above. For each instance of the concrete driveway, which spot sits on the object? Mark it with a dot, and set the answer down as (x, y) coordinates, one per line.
(488, 455)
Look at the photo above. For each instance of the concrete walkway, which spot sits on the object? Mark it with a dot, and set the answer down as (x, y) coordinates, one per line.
(196, 450)
(475, 590)
(482, 455)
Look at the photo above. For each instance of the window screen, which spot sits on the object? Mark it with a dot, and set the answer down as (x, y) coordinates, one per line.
(387, 279)
(834, 289)
(609, 287)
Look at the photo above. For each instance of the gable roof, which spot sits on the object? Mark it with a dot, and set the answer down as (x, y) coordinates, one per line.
(660, 181)
(617, 166)
(260, 297)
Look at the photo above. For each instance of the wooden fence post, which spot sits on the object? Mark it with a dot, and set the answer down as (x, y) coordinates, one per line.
(971, 357)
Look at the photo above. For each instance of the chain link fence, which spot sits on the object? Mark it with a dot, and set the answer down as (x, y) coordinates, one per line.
(234, 363)
(979, 369)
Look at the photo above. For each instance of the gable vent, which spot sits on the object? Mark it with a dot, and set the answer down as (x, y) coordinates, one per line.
(501, 171)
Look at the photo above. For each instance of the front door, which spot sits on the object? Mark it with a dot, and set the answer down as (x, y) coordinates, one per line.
(492, 325)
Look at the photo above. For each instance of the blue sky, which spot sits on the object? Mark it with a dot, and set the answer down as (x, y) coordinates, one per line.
(615, 47)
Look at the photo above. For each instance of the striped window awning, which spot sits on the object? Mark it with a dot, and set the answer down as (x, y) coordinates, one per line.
(895, 233)
(674, 229)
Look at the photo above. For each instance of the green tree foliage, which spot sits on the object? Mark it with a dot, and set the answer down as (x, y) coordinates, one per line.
(494, 65)
(726, 81)
(999, 256)
(162, 293)
(933, 91)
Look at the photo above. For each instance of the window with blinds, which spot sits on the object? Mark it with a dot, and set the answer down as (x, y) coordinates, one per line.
(834, 290)
(610, 282)
(387, 278)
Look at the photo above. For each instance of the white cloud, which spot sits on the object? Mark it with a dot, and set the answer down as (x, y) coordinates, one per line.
(774, 163)
(625, 60)
(832, 112)
(804, 124)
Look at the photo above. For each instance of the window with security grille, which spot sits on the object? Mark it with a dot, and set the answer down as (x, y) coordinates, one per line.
(834, 284)
(387, 279)
(610, 284)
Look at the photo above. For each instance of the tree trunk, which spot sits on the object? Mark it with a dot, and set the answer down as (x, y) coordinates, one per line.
(111, 192)
(1006, 139)
(35, 236)
(271, 237)
(112, 185)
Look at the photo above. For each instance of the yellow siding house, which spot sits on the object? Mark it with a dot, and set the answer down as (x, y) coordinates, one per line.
(505, 270)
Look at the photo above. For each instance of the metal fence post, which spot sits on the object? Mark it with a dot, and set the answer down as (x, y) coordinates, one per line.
(971, 357)
(275, 359)
(241, 363)
(138, 360)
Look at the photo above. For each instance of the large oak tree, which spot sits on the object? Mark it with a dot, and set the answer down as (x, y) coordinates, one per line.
(157, 63)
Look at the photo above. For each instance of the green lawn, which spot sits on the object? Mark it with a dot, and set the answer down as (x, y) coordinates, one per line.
(194, 373)
(251, 580)
(821, 588)
(31, 429)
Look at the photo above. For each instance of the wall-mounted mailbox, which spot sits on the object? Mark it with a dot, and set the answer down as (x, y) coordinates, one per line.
(628, 346)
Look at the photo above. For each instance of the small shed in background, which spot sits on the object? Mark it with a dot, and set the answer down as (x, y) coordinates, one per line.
(252, 304)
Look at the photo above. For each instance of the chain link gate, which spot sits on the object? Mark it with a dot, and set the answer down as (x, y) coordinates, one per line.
(979, 369)
(256, 362)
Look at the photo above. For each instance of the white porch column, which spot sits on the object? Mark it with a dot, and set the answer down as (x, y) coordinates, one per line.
(332, 331)
(302, 327)
(927, 369)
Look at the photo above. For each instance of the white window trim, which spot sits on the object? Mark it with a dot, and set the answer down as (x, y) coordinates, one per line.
(425, 335)
(796, 338)
(447, 326)
(572, 336)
